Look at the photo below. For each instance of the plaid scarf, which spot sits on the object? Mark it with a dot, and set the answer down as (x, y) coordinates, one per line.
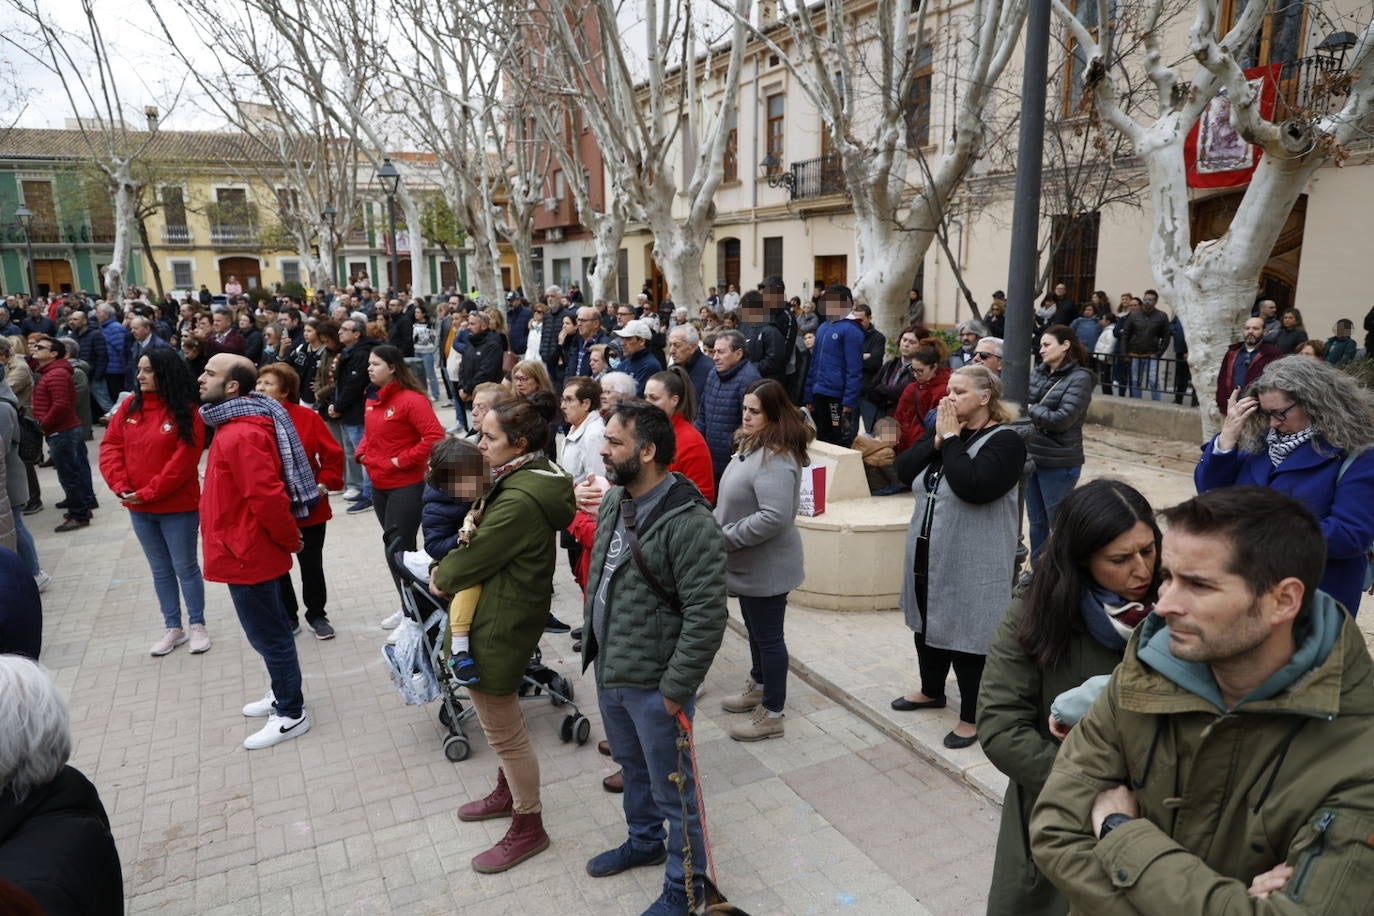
(1281, 445)
(297, 474)
(515, 463)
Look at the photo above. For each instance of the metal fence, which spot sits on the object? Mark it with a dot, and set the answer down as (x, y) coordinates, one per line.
(817, 177)
(1151, 379)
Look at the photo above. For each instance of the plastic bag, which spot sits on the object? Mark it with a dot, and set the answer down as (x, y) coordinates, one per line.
(412, 670)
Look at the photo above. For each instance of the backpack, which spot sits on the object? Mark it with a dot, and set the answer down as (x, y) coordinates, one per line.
(30, 435)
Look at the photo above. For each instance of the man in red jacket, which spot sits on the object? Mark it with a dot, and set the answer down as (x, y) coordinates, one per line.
(249, 533)
(54, 407)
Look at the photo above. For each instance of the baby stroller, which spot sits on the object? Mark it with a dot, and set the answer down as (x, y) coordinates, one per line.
(432, 678)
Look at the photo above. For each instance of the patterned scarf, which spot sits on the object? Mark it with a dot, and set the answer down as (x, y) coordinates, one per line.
(1281, 445)
(1110, 621)
(514, 464)
(297, 474)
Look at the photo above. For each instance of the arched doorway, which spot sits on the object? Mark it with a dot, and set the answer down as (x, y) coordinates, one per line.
(727, 263)
(656, 286)
(247, 270)
(1211, 218)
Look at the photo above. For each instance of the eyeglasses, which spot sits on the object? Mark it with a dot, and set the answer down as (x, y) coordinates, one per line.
(980, 355)
(1279, 415)
(37, 347)
(587, 320)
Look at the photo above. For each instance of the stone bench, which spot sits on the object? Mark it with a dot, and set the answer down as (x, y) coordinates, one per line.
(854, 550)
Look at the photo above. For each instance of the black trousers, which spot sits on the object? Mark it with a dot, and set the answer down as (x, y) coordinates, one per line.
(968, 671)
(399, 512)
(313, 588)
(833, 425)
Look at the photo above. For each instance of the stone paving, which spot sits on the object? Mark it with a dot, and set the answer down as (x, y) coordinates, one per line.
(857, 809)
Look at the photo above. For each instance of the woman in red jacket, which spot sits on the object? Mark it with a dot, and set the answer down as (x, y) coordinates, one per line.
(671, 391)
(149, 458)
(931, 379)
(282, 383)
(399, 429)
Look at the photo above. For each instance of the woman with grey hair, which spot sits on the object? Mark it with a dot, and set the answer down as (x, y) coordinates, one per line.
(55, 842)
(617, 387)
(1305, 428)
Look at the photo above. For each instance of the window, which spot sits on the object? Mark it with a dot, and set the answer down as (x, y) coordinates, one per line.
(1076, 64)
(772, 256)
(727, 256)
(38, 197)
(559, 187)
(918, 102)
(183, 276)
(291, 271)
(1279, 38)
(562, 272)
(776, 110)
(730, 161)
(288, 202)
(173, 205)
(1073, 242)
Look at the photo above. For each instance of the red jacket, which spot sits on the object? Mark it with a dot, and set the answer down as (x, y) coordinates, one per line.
(54, 396)
(326, 458)
(919, 399)
(143, 452)
(693, 459)
(247, 530)
(1265, 354)
(397, 423)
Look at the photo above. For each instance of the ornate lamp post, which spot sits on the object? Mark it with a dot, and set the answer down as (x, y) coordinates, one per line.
(390, 180)
(328, 214)
(25, 217)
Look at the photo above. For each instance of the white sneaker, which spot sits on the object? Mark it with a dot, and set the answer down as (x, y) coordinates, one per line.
(42, 580)
(393, 621)
(259, 708)
(171, 638)
(277, 730)
(352, 493)
(393, 637)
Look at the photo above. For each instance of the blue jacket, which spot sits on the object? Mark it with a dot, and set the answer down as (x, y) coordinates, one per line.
(518, 327)
(700, 369)
(116, 347)
(837, 363)
(440, 518)
(1310, 477)
(719, 415)
(641, 367)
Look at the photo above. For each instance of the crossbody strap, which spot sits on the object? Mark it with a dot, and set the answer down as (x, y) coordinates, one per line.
(627, 513)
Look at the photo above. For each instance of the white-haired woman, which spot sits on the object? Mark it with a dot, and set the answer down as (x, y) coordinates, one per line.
(617, 387)
(55, 842)
(1304, 428)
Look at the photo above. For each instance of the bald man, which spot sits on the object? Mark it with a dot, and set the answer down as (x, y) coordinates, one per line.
(249, 533)
(589, 334)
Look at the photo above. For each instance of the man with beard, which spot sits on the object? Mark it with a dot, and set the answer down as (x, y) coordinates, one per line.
(655, 616)
(1244, 361)
(1225, 766)
(258, 481)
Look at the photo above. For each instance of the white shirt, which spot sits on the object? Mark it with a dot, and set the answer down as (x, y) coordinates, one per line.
(582, 448)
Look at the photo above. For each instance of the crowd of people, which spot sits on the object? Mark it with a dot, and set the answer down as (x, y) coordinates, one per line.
(664, 453)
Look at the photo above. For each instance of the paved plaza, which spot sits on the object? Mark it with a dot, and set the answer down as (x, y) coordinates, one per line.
(857, 810)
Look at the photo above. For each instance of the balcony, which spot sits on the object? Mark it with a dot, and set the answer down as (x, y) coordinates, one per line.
(176, 235)
(222, 234)
(817, 177)
(1310, 87)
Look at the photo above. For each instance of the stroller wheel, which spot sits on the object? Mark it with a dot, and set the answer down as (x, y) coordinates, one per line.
(582, 730)
(444, 718)
(560, 691)
(456, 748)
(565, 731)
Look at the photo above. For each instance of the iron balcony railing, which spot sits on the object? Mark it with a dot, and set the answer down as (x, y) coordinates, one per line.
(817, 177)
(233, 235)
(176, 235)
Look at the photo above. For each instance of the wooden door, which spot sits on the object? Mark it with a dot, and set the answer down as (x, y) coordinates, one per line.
(52, 276)
(831, 269)
(246, 269)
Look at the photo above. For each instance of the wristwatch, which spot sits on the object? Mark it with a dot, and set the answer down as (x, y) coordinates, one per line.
(1111, 822)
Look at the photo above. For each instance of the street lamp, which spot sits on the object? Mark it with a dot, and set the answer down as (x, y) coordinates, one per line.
(390, 180)
(777, 176)
(328, 214)
(25, 217)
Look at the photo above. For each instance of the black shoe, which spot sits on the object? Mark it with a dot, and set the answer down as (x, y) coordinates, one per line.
(554, 625)
(902, 704)
(32, 507)
(360, 506)
(65, 504)
(576, 633)
(322, 628)
(955, 742)
(71, 524)
(577, 647)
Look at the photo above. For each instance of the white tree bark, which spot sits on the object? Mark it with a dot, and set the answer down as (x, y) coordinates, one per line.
(1212, 284)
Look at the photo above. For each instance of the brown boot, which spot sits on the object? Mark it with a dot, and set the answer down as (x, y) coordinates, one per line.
(498, 804)
(525, 838)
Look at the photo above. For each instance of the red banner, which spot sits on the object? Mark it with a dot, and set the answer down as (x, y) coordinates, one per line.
(1215, 155)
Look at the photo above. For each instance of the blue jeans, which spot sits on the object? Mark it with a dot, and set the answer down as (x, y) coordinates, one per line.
(353, 471)
(431, 378)
(25, 547)
(264, 623)
(352, 436)
(1045, 490)
(1144, 374)
(763, 618)
(169, 542)
(68, 450)
(643, 739)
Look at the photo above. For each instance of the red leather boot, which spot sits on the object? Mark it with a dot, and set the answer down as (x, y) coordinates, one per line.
(498, 804)
(524, 839)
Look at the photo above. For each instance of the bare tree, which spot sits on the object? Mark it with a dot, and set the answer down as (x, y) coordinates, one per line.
(642, 122)
(858, 71)
(1212, 284)
(112, 144)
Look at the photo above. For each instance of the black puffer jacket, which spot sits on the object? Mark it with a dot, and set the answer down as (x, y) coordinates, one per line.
(1058, 403)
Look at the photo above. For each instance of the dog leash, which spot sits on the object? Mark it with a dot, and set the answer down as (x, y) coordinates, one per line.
(687, 743)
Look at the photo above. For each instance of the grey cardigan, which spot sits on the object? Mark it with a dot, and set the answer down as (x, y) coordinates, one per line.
(756, 508)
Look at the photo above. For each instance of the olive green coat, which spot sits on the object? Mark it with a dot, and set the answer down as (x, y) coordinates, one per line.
(1013, 708)
(1223, 797)
(512, 557)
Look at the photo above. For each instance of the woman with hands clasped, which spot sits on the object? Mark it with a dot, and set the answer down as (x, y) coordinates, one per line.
(961, 544)
(1305, 428)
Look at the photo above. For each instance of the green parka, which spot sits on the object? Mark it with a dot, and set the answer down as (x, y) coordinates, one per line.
(1223, 796)
(512, 557)
(1013, 711)
(647, 643)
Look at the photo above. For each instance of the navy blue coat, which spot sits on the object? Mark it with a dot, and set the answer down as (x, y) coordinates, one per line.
(719, 415)
(1343, 508)
(518, 327)
(700, 369)
(440, 518)
(21, 611)
(641, 367)
(837, 363)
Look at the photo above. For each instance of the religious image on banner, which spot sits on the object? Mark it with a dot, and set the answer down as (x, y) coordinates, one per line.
(402, 242)
(1215, 154)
